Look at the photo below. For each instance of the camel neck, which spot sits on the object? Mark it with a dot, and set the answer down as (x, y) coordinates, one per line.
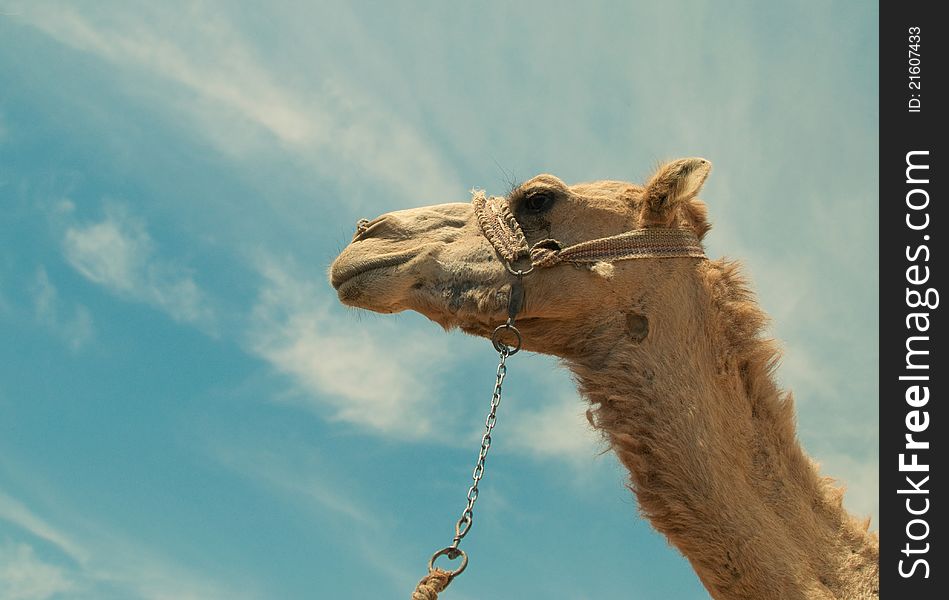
(692, 411)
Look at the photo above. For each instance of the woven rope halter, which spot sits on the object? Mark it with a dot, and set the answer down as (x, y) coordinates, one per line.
(504, 232)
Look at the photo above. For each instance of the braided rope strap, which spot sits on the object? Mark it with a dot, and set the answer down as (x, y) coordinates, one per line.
(431, 585)
(504, 232)
(639, 243)
(500, 227)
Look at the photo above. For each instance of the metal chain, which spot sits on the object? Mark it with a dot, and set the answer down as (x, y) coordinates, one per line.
(467, 516)
(463, 526)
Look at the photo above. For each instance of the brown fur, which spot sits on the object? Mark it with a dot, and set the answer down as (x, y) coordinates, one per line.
(689, 404)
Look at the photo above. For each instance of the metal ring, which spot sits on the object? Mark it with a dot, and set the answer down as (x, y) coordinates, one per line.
(501, 346)
(452, 553)
(518, 272)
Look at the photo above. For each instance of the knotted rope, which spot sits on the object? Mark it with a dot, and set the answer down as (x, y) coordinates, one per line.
(429, 587)
(500, 227)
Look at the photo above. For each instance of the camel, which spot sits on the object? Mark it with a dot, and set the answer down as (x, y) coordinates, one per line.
(671, 355)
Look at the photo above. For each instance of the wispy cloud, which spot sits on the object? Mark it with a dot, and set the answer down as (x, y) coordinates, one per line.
(305, 477)
(378, 380)
(15, 512)
(100, 561)
(237, 104)
(75, 330)
(559, 431)
(299, 472)
(239, 84)
(118, 253)
(23, 576)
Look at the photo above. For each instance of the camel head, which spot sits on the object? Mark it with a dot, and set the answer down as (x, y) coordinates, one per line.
(437, 261)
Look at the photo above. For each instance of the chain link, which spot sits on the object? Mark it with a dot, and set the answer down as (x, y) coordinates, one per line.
(467, 516)
(463, 526)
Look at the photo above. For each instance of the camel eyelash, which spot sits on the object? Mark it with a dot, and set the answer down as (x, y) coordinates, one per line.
(541, 198)
(538, 202)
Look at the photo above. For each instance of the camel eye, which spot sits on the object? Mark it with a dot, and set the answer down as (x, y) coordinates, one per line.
(538, 202)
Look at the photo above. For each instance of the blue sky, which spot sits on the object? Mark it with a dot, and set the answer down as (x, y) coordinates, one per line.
(185, 410)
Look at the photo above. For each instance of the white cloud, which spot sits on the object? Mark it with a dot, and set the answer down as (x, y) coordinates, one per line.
(558, 431)
(101, 560)
(76, 330)
(383, 378)
(299, 472)
(306, 477)
(118, 254)
(376, 379)
(238, 105)
(13, 511)
(23, 576)
(239, 84)
(110, 253)
(139, 572)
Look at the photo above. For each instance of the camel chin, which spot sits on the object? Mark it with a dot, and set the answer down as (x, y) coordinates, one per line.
(370, 283)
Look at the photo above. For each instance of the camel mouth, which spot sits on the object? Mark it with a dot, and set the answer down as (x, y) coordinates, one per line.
(343, 272)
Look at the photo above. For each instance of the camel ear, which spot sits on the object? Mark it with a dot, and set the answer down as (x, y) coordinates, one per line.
(674, 183)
